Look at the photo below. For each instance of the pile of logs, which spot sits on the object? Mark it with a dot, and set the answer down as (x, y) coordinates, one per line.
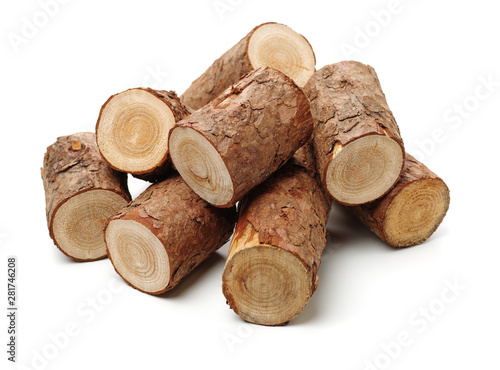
(260, 130)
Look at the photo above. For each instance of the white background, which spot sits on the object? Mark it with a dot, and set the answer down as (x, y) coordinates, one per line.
(432, 58)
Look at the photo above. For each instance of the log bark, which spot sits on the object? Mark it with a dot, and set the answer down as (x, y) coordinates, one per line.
(132, 131)
(304, 157)
(164, 234)
(411, 212)
(358, 146)
(267, 45)
(274, 257)
(81, 193)
(239, 139)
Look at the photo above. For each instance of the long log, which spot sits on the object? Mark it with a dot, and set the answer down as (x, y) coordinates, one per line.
(164, 234)
(267, 45)
(274, 256)
(238, 140)
(358, 146)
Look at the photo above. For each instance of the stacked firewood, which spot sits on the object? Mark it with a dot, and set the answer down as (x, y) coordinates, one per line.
(258, 147)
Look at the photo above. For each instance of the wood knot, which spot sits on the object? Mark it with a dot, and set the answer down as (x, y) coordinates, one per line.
(76, 146)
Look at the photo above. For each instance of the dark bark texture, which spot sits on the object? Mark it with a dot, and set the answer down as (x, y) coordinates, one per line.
(256, 126)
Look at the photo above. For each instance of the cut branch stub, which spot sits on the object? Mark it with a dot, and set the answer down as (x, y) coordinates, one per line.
(132, 131)
(358, 147)
(411, 211)
(268, 45)
(164, 234)
(239, 139)
(81, 193)
(274, 257)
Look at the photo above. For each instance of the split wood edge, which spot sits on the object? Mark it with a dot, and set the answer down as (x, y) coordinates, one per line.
(274, 256)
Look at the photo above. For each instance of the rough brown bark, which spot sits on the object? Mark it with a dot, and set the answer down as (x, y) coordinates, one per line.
(254, 126)
(411, 211)
(179, 110)
(285, 219)
(304, 157)
(72, 166)
(348, 104)
(152, 172)
(227, 70)
(184, 225)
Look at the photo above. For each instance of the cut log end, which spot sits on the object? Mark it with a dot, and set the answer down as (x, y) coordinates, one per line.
(364, 170)
(266, 285)
(416, 212)
(78, 223)
(132, 132)
(138, 256)
(201, 166)
(279, 47)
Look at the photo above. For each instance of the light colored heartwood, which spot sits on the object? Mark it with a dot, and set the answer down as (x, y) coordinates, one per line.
(81, 192)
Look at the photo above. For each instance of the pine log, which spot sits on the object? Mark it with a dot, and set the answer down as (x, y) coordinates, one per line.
(133, 128)
(81, 193)
(411, 212)
(358, 146)
(164, 234)
(240, 138)
(274, 256)
(267, 45)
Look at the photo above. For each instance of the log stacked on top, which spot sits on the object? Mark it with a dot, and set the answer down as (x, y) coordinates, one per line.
(359, 150)
(238, 140)
(245, 132)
